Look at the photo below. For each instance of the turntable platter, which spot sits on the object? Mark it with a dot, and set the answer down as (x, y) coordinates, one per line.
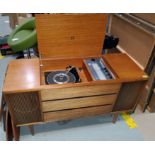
(59, 77)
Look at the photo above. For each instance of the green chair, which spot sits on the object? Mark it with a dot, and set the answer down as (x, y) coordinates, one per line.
(24, 36)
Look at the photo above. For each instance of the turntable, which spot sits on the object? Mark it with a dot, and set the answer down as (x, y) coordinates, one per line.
(70, 75)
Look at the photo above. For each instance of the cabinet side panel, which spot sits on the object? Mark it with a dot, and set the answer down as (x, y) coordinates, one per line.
(24, 107)
(151, 106)
(128, 96)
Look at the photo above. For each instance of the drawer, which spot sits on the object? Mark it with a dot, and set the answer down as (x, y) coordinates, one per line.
(78, 102)
(71, 92)
(76, 113)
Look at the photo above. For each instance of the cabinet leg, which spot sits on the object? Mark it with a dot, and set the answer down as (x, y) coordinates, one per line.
(31, 129)
(2, 107)
(8, 127)
(115, 116)
(16, 131)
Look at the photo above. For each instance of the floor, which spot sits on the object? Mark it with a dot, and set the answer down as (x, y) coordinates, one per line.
(4, 26)
(146, 125)
(92, 128)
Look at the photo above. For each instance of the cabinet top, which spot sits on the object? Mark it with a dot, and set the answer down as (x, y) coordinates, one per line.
(24, 74)
(124, 67)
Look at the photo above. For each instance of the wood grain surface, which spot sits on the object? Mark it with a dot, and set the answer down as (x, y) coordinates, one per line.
(136, 42)
(148, 17)
(76, 113)
(71, 92)
(124, 67)
(70, 35)
(22, 74)
(78, 102)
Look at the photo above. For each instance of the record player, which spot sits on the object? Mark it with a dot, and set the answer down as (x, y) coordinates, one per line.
(72, 78)
(95, 66)
(70, 75)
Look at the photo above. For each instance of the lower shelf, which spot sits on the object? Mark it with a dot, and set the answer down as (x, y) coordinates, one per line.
(76, 113)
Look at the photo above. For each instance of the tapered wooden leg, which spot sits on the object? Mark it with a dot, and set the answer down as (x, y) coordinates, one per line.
(2, 107)
(31, 128)
(16, 131)
(1, 111)
(115, 116)
(8, 127)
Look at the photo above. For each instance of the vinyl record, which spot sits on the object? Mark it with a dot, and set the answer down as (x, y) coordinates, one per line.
(59, 77)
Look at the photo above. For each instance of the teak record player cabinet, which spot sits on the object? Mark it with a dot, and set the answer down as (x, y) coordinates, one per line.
(68, 39)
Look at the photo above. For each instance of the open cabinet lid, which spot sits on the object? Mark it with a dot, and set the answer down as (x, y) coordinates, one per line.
(134, 40)
(70, 35)
(148, 17)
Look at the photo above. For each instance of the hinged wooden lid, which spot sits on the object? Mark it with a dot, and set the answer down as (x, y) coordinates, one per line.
(70, 35)
(134, 39)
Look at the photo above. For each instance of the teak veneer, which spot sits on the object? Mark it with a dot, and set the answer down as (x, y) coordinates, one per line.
(68, 39)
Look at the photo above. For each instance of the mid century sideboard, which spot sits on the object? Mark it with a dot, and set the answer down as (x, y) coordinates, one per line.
(64, 40)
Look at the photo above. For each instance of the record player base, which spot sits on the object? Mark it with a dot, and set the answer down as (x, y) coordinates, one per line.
(34, 102)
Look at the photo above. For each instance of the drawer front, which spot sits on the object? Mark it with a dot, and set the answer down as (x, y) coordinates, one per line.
(60, 93)
(76, 113)
(78, 102)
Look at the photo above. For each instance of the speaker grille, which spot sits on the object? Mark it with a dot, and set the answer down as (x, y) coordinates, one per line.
(24, 107)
